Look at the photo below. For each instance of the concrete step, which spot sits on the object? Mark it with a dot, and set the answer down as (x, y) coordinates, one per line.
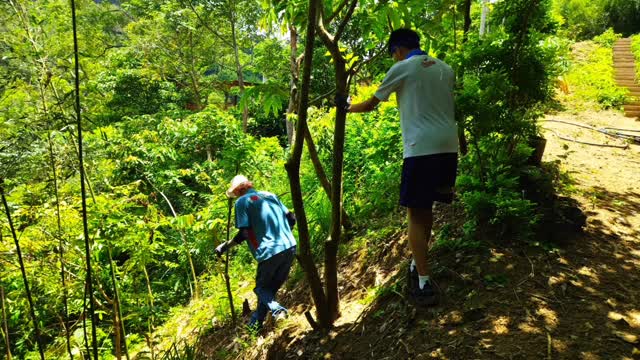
(632, 114)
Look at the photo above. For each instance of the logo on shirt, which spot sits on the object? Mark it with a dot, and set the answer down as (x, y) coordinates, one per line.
(427, 63)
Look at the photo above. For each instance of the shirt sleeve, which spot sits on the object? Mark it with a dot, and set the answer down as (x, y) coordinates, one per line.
(282, 206)
(242, 215)
(391, 83)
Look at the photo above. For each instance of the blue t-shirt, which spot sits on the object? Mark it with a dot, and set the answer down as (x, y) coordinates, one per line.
(265, 216)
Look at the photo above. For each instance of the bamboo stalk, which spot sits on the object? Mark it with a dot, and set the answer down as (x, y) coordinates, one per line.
(5, 328)
(32, 311)
(85, 224)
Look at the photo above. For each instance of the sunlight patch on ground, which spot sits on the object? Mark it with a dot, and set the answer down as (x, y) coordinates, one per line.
(589, 272)
(588, 355)
(501, 325)
(549, 317)
(526, 327)
(559, 345)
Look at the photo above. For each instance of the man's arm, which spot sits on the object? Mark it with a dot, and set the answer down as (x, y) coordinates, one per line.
(241, 236)
(291, 219)
(365, 106)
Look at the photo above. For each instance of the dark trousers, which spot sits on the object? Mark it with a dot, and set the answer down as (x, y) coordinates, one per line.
(271, 275)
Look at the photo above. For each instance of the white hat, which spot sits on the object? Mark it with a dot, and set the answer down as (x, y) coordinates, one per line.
(239, 181)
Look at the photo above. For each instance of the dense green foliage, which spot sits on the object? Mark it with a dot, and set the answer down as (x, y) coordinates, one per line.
(163, 112)
(590, 76)
(584, 19)
(635, 48)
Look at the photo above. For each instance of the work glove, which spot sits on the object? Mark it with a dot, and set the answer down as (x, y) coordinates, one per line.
(221, 249)
(343, 102)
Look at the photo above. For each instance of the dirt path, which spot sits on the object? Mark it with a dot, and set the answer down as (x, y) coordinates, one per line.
(577, 300)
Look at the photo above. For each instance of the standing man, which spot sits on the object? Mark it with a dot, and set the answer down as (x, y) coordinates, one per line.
(424, 91)
(265, 224)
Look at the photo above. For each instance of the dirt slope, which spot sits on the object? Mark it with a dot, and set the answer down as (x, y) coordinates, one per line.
(578, 300)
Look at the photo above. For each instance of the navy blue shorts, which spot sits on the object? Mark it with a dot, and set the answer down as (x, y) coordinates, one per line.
(428, 178)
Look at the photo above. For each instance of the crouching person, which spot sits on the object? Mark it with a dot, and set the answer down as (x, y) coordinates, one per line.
(265, 224)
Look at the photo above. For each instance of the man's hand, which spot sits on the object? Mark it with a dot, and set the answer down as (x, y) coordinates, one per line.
(343, 102)
(221, 249)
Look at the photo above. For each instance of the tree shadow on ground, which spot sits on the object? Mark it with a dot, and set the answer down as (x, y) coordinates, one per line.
(573, 300)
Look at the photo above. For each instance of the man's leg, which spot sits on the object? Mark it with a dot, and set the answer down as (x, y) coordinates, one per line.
(280, 277)
(263, 292)
(272, 273)
(420, 223)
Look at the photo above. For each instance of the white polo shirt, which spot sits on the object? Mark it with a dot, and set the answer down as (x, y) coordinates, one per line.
(424, 89)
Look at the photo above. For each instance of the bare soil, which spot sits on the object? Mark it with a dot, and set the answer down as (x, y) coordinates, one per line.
(576, 299)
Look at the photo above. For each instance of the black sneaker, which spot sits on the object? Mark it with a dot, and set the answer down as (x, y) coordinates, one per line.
(412, 279)
(426, 296)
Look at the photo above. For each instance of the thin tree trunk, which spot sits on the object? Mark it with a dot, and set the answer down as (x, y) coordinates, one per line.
(192, 73)
(467, 20)
(331, 246)
(239, 70)
(85, 224)
(293, 84)
(5, 328)
(32, 311)
(455, 26)
(462, 139)
(119, 326)
(227, 280)
(150, 320)
(341, 81)
(65, 291)
(293, 170)
(322, 175)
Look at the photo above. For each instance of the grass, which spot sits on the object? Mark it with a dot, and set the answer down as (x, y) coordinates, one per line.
(591, 79)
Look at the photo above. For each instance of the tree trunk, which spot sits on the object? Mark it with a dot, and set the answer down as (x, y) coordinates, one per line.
(462, 139)
(65, 291)
(227, 280)
(121, 334)
(467, 20)
(239, 70)
(150, 320)
(293, 84)
(331, 246)
(32, 311)
(322, 175)
(192, 74)
(293, 170)
(83, 191)
(5, 328)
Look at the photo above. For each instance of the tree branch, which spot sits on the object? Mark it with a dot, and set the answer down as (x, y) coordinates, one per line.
(336, 13)
(203, 23)
(345, 20)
